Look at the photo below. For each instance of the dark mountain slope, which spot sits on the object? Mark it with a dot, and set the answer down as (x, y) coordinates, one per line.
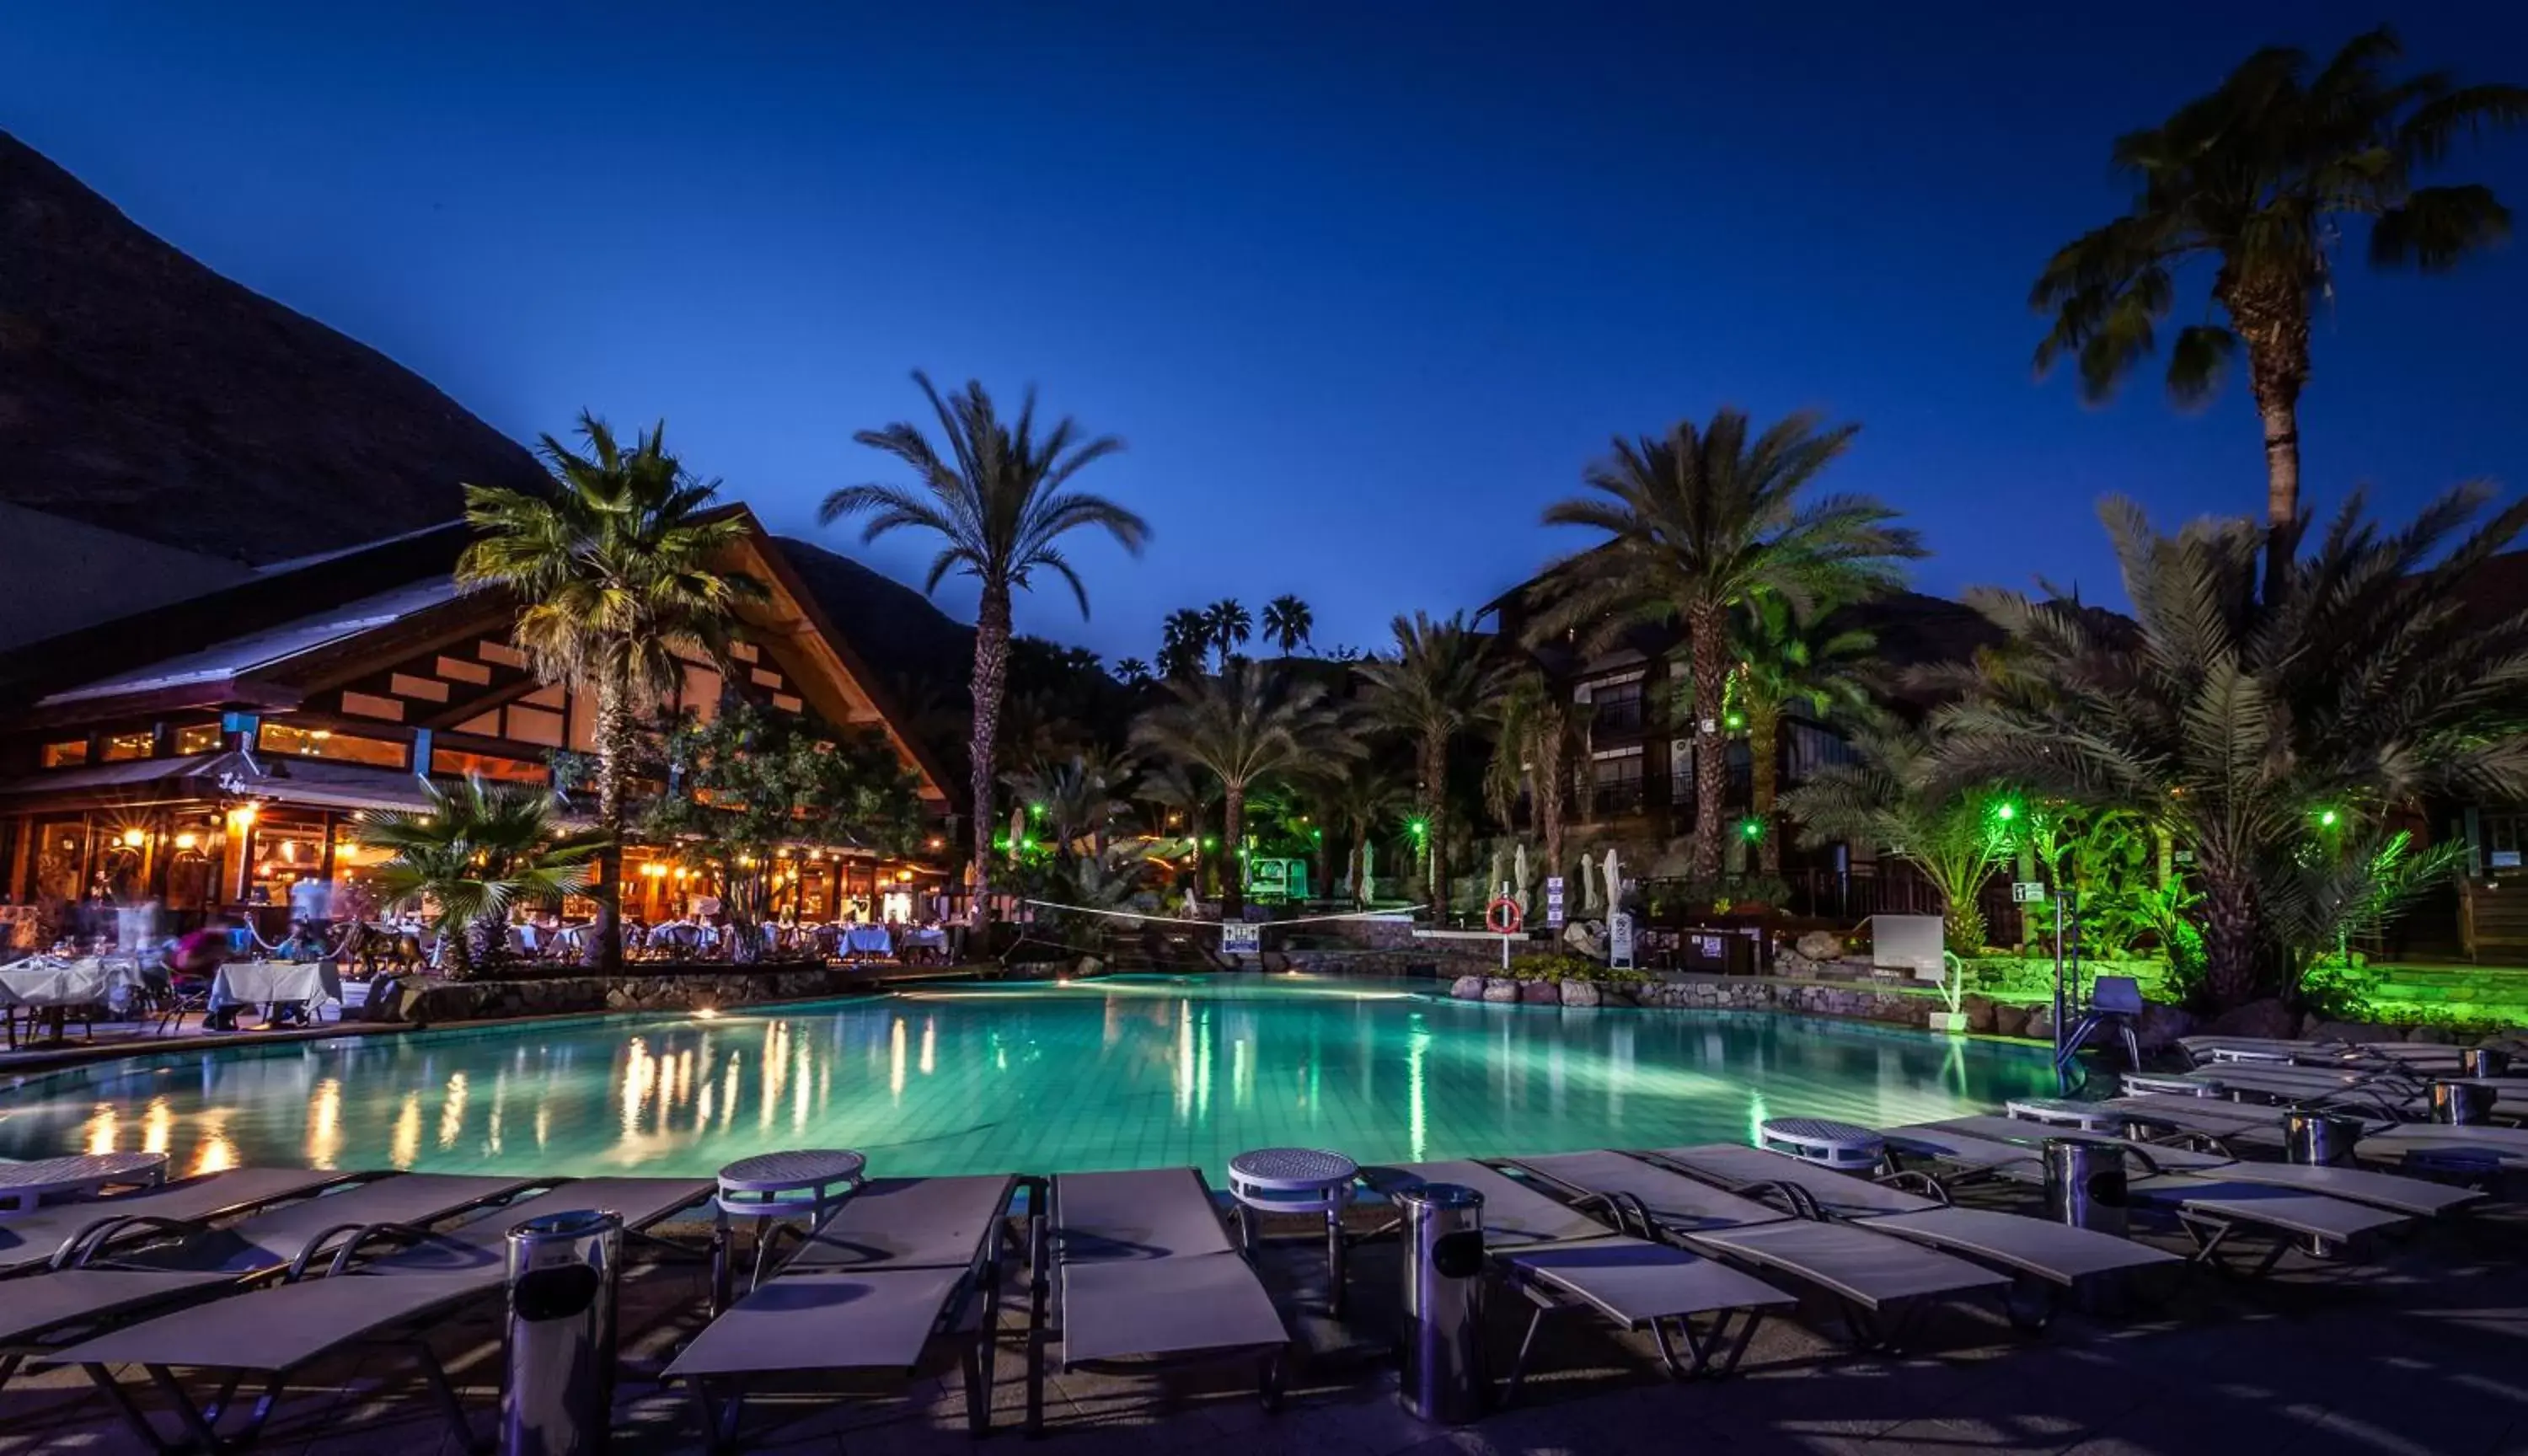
(143, 392)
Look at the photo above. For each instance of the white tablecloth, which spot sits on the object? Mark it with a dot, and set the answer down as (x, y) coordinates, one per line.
(51, 983)
(263, 982)
(868, 940)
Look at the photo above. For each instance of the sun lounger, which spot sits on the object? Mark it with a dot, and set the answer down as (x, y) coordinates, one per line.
(1883, 1284)
(1146, 1273)
(2210, 1201)
(86, 1289)
(1564, 1261)
(273, 1332)
(2440, 1148)
(903, 1261)
(2414, 1196)
(2053, 1252)
(31, 1240)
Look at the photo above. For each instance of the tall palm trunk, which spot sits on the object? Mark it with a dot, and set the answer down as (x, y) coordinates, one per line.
(1711, 758)
(1764, 765)
(604, 950)
(1232, 862)
(2272, 320)
(1549, 804)
(1353, 866)
(991, 674)
(1434, 794)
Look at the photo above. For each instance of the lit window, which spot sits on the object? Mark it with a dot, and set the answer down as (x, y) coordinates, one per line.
(67, 754)
(197, 738)
(323, 742)
(121, 747)
(450, 763)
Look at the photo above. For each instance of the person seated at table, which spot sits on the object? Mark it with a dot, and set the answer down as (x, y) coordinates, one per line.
(302, 944)
(196, 959)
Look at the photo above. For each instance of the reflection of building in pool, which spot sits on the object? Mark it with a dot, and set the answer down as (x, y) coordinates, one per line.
(218, 753)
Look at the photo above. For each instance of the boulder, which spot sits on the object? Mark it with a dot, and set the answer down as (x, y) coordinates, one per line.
(1538, 993)
(1579, 993)
(1820, 944)
(2008, 1021)
(1978, 1009)
(1467, 988)
(1612, 995)
(2354, 1033)
(2267, 1018)
(2161, 1024)
(2041, 1024)
(2437, 1035)
(1274, 961)
(1500, 989)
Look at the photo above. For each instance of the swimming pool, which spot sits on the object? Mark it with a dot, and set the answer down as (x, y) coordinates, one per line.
(1044, 1078)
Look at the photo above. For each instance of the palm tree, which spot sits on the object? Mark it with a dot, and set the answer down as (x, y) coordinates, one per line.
(1787, 661)
(1539, 741)
(1895, 796)
(2257, 177)
(1229, 626)
(2269, 721)
(1184, 642)
(1244, 726)
(1435, 688)
(1288, 622)
(997, 500)
(1071, 799)
(615, 572)
(1698, 523)
(1183, 795)
(1362, 796)
(1132, 672)
(474, 852)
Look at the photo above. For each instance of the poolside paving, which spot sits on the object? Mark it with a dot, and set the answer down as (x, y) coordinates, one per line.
(2421, 1352)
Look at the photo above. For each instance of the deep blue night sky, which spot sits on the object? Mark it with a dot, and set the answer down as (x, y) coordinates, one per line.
(1362, 285)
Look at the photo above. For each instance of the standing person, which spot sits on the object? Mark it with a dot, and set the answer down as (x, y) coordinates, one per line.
(197, 957)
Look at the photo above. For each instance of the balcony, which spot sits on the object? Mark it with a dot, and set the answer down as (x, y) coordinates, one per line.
(1616, 717)
(1615, 801)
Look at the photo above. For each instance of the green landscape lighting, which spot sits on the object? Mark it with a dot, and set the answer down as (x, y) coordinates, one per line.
(1751, 828)
(1036, 810)
(2326, 818)
(2005, 812)
(1735, 721)
(1210, 842)
(1417, 827)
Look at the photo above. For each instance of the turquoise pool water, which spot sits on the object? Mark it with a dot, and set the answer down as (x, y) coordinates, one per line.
(1127, 1072)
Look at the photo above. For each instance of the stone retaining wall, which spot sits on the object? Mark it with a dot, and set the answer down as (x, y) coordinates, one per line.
(498, 1000)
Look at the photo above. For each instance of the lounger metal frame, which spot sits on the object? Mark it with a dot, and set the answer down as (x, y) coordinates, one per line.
(721, 1419)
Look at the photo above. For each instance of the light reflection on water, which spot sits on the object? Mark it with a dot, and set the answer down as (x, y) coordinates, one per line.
(1127, 1072)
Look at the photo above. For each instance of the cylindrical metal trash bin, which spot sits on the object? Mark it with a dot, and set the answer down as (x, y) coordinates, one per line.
(2484, 1062)
(1444, 1264)
(2463, 1104)
(2084, 1185)
(557, 1348)
(2320, 1139)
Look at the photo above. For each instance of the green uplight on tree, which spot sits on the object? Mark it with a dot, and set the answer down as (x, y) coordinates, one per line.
(1210, 842)
(1036, 810)
(1735, 721)
(1418, 828)
(2005, 812)
(1751, 828)
(2326, 818)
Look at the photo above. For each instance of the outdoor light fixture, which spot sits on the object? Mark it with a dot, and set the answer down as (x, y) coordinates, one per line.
(187, 840)
(904, 876)
(1751, 828)
(2326, 818)
(1735, 721)
(2005, 812)
(136, 838)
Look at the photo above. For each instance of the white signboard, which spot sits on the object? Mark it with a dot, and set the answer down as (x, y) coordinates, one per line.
(1908, 943)
(1620, 940)
(1240, 937)
(1553, 902)
(2027, 891)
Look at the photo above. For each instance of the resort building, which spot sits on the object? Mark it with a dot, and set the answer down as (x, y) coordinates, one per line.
(216, 753)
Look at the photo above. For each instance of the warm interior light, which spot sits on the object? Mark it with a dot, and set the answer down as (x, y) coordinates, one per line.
(321, 734)
(904, 876)
(187, 840)
(136, 838)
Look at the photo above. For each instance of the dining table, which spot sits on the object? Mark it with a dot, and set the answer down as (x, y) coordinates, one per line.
(51, 986)
(269, 983)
